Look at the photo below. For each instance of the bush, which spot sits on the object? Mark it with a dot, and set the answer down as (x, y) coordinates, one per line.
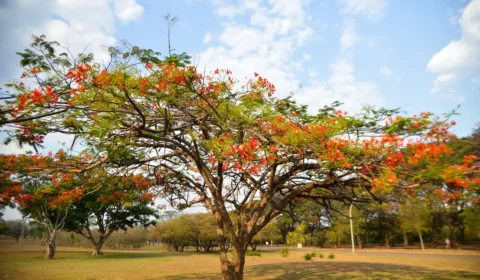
(320, 255)
(133, 238)
(331, 256)
(253, 254)
(307, 257)
(314, 254)
(285, 252)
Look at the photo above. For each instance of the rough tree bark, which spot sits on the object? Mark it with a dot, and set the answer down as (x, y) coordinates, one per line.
(232, 269)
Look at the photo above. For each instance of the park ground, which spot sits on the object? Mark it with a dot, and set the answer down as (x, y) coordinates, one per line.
(26, 262)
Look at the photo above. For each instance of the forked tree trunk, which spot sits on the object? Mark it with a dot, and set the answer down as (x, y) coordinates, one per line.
(421, 239)
(97, 249)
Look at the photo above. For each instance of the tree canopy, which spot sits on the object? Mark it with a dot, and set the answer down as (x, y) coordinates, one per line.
(229, 145)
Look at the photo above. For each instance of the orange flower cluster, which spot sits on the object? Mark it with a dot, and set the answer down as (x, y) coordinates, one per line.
(80, 74)
(388, 179)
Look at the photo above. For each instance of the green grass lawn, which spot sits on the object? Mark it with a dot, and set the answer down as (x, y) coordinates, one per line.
(26, 262)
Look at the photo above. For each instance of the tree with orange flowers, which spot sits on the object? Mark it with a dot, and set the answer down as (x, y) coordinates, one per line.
(45, 197)
(113, 203)
(206, 138)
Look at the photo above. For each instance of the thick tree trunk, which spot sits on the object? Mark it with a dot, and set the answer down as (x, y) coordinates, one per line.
(387, 241)
(405, 238)
(50, 255)
(97, 249)
(233, 269)
(421, 239)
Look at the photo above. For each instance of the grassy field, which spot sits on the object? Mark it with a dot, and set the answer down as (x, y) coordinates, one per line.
(26, 262)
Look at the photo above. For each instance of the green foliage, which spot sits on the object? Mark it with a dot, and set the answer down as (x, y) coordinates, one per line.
(331, 256)
(253, 254)
(414, 215)
(198, 230)
(308, 257)
(297, 236)
(270, 233)
(320, 255)
(472, 220)
(131, 239)
(285, 252)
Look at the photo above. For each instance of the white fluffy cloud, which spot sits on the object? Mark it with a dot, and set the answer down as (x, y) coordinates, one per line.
(263, 44)
(349, 36)
(74, 23)
(459, 58)
(208, 38)
(127, 10)
(371, 9)
(342, 85)
(269, 42)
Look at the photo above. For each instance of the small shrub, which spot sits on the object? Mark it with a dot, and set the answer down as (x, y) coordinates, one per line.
(253, 254)
(320, 255)
(331, 256)
(313, 254)
(307, 257)
(285, 252)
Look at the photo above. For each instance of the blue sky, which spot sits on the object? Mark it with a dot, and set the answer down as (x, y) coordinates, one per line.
(417, 55)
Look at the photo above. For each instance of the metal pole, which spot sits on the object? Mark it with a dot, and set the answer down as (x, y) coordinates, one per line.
(351, 229)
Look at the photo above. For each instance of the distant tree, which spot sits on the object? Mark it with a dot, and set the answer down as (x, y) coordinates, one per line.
(118, 203)
(471, 217)
(297, 236)
(13, 228)
(176, 234)
(414, 216)
(204, 231)
(135, 238)
(270, 233)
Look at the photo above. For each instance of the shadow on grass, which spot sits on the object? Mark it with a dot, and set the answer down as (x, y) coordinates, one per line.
(34, 255)
(135, 255)
(351, 270)
(337, 270)
(203, 276)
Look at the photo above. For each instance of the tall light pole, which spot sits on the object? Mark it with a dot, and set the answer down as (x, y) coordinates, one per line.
(351, 228)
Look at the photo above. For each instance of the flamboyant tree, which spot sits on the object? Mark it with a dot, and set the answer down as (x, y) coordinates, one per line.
(43, 194)
(206, 138)
(112, 203)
